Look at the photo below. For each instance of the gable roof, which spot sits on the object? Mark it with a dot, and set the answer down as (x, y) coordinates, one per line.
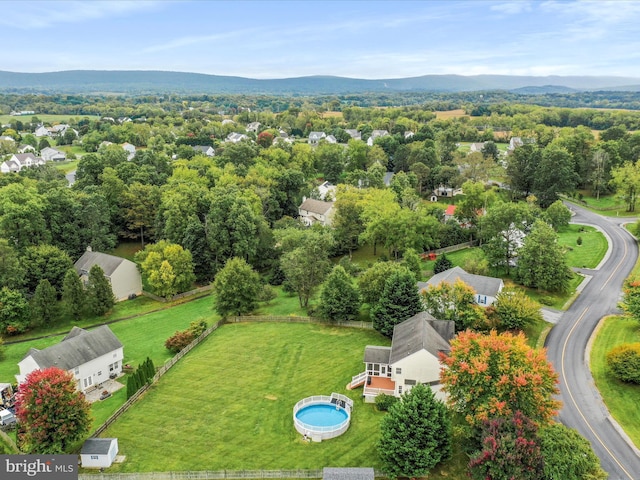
(420, 332)
(317, 135)
(316, 206)
(108, 263)
(481, 284)
(375, 354)
(451, 209)
(97, 446)
(77, 348)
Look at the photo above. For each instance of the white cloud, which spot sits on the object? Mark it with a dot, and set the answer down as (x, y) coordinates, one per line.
(511, 8)
(28, 15)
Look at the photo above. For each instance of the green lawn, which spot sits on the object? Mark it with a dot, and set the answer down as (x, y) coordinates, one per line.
(590, 253)
(228, 404)
(622, 399)
(44, 117)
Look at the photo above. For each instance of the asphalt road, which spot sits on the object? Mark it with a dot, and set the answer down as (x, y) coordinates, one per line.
(583, 408)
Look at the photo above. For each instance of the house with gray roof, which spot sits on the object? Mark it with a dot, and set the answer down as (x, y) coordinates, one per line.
(204, 150)
(486, 288)
(98, 452)
(123, 274)
(90, 356)
(412, 358)
(18, 161)
(315, 137)
(353, 133)
(52, 154)
(376, 134)
(315, 211)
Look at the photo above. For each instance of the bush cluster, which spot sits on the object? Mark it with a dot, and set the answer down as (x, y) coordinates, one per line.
(624, 362)
(181, 339)
(142, 376)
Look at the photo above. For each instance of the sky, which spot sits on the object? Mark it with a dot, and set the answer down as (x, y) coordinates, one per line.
(358, 39)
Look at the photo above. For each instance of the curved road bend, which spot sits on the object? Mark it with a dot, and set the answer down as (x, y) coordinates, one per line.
(583, 408)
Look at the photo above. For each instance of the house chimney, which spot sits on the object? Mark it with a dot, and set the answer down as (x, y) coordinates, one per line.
(89, 248)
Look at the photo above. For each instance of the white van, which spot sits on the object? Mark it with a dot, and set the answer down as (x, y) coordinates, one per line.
(7, 417)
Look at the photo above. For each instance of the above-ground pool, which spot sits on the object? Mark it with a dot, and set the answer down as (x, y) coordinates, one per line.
(321, 417)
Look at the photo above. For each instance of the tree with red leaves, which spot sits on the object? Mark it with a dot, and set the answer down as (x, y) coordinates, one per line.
(52, 414)
(495, 375)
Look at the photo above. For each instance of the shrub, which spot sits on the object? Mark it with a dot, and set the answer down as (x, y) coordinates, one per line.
(579, 241)
(624, 362)
(546, 300)
(197, 328)
(267, 293)
(442, 264)
(179, 340)
(384, 402)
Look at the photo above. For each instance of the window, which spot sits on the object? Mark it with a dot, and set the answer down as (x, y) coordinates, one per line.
(99, 373)
(398, 371)
(409, 382)
(76, 371)
(94, 457)
(400, 389)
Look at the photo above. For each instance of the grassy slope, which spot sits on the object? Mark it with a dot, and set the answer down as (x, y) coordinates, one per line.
(621, 399)
(242, 385)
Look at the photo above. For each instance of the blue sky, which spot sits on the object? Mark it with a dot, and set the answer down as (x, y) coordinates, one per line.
(363, 39)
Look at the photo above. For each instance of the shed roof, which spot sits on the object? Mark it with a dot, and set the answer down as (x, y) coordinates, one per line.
(77, 348)
(96, 446)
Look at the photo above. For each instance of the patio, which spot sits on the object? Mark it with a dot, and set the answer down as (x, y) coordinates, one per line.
(108, 385)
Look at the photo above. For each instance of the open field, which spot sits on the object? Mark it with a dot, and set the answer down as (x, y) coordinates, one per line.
(622, 399)
(228, 404)
(445, 115)
(590, 253)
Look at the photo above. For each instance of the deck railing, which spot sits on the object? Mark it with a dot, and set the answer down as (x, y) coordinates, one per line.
(377, 391)
(359, 379)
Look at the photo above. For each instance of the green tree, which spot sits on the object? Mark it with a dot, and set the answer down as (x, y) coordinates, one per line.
(454, 301)
(599, 172)
(567, 455)
(626, 180)
(510, 450)
(624, 362)
(46, 261)
(73, 294)
(442, 264)
(415, 434)
(631, 297)
(541, 260)
(12, 271)
(44, 305)
(521, 167)
(496, 375)
(51, 423)
(554, 174)
(14, 312)
(21, 215)
(167, 268)
(514, 310)
(399, 301)
(140, 205)
(475, 200)
(100, 297)
(347, 220)
(236, 288)
(557, 215)
(339, 299)
(371, 282)
(411, 260)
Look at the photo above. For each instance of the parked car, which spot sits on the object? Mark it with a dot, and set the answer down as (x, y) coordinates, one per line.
(7, 417)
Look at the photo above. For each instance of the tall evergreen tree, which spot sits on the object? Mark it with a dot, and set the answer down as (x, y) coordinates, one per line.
(339, 299)
(100, 295)
(44, 305)
(73, 294)
(400, 300)
(415, 435)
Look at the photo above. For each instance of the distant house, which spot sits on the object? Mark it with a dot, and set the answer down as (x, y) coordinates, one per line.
(476, 147)
(18, 161)
(327, 191)
(98, 452)
(315, 137)
(91, 356)
(253, 127)
(388, 176)
(227, 121)
(204, 149)
(7, 138)
(123, 274)
(52, 154)
(25, 148)
(449, 213)
(442, 191)
(235, 137)
(412, 358)
(408, 134)
(353, 133)
(316, 211)
(376, 134)
(331, 139)
(514, 143)
(130, 149)
(42, 131)
(486, 288)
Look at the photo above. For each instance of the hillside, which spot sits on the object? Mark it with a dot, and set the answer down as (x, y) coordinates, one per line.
(133, 81)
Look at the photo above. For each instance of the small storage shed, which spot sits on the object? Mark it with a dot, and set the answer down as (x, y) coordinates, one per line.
(99, 452)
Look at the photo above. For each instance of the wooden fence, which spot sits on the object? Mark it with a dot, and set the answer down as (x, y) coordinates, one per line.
(159, 373)
(292, 319)
(195, 291)
(454, 248)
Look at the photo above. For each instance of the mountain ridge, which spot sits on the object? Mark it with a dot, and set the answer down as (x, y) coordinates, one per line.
(161, 81)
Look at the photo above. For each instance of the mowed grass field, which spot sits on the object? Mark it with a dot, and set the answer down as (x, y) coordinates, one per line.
(228, 403)
(590, 253)
(621, 398)
(43, 117)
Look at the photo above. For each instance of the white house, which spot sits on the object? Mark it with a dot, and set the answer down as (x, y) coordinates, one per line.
(123, 274)
(25, 148)
(253, 127)
(42, 131)
(204, 150)
(412, 358)
(486, 288)
(18, 161)
(353, 133)
(315, 137)
(327, 191)
(476, 147)
(98, 452)
(52, 154)
(331, 139)
(7, 138)
(376, 134)
(91, 356)
(235, 137)
(316, 211)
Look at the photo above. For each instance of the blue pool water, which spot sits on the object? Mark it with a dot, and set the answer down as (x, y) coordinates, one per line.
(322, 415)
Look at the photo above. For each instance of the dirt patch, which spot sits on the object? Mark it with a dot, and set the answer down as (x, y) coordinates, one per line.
(270, 397)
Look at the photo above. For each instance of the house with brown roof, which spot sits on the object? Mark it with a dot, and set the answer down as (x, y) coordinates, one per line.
(316, 211)
(92, 356)
(412, 358)
(123, 274)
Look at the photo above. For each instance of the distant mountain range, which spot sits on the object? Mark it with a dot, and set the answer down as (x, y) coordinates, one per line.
(139, 81)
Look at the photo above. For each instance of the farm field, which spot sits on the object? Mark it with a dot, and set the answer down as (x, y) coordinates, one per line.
(43, 117)
(228, 404)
